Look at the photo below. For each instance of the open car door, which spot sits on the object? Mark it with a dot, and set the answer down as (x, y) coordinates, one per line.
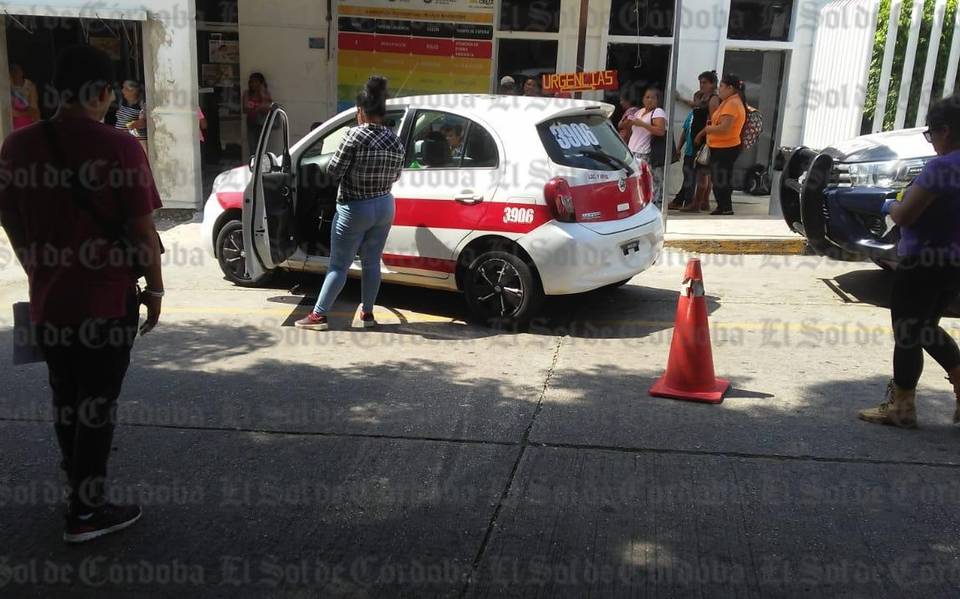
(269, 202)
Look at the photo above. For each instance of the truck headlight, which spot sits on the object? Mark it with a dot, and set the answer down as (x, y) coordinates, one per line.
(893, 174)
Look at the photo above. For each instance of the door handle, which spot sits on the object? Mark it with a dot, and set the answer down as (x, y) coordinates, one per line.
(467, 196)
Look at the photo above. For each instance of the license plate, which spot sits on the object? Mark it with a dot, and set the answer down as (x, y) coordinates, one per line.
(631, 247)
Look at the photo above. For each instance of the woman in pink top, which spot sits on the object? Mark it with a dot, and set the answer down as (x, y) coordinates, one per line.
(649, 122)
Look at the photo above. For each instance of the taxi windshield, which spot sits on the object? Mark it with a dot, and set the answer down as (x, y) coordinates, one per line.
(587, 141)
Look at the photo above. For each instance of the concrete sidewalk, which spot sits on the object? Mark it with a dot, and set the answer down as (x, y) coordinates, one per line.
(750, 231)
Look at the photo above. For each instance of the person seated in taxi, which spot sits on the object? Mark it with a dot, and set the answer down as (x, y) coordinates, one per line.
(454, 135)
(434, 152)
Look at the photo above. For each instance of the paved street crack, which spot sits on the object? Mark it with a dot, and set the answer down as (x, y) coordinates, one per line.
(524, 443)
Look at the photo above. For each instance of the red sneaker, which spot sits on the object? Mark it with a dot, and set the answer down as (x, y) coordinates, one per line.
(313, 321)
(367, 321)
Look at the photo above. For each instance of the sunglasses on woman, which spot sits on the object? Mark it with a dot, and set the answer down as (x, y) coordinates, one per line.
(928, 135)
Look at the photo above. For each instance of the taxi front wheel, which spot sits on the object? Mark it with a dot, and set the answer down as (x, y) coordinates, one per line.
(230, 256)
(502, 290)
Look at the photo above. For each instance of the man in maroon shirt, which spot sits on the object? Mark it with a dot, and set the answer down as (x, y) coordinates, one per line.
(68, 189)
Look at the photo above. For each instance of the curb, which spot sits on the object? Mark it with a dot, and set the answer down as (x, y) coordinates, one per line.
(772, 247)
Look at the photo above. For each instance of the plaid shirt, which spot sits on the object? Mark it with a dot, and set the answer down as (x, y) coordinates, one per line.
(367, 163)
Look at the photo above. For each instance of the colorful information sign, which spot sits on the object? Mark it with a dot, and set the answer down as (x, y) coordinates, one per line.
(445, 46)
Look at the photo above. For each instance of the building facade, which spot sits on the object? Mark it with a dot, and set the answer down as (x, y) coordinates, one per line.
(198, 54)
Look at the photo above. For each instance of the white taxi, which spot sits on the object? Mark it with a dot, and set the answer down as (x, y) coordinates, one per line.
(505, 199)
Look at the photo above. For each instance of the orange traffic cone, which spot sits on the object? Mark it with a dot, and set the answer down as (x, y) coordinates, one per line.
(690, 372)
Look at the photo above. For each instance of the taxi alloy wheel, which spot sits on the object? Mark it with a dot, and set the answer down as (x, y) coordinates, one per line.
(231, 257)
(502, 290)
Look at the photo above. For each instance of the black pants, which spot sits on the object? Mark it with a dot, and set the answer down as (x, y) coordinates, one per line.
(721, 173)
(689, 187)
(87, 364)
(922, 291)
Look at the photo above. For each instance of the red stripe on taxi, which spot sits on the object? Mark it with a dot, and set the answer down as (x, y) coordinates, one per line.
(420, 263)
(486, 216)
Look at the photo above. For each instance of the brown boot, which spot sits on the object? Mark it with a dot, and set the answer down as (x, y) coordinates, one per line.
(954, 378)
(898, 409)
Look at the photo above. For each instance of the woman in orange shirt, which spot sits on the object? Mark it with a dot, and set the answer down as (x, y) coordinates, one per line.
(723, 138)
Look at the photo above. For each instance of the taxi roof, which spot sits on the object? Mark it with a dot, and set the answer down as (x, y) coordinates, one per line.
(505, 109)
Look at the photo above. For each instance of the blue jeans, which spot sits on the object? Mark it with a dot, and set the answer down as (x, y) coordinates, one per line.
(358, 227)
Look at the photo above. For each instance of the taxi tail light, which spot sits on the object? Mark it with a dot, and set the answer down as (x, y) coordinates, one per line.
(559, 197)
(645, 183)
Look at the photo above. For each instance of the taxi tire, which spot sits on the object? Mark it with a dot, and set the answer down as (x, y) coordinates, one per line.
(533, 295)
(618, 284)
(230, 230)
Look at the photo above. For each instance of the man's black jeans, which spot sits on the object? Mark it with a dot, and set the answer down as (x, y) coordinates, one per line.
(87, 365)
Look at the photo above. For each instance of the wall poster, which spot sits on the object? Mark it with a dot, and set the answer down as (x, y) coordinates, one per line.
(445, 46)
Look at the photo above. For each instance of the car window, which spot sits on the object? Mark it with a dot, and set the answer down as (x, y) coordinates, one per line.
(329, 143)
(444, 140)
(587, 141)
(480, 150)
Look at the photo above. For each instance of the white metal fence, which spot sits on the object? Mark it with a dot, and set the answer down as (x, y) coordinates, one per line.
(877, 66)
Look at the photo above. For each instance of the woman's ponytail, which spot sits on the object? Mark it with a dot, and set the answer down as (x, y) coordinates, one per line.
(372, 99)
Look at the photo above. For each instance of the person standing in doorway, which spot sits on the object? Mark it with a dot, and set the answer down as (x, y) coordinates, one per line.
(508, 86)
(927, 279)
(367, 164)
(23, 99)
(131, 113)
(708, 103)
(84, 304)
(256, 106)
(630, 104)
(650, 121)
(723, 138)
(685, 196)
(531, 87)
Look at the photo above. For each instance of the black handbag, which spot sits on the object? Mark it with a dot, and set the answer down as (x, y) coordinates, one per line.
(115, 232)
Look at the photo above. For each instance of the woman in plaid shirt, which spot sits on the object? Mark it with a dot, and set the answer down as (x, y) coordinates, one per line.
(367, 163)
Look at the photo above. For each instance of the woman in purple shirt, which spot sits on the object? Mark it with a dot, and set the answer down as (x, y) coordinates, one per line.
(928, 275)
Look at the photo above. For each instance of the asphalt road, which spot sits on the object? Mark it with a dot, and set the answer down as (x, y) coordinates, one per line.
(431, 458)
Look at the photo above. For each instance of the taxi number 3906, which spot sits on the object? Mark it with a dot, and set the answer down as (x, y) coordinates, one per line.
(522, 216)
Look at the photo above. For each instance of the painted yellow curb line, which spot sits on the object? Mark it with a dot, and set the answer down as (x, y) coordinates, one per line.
(773, 247)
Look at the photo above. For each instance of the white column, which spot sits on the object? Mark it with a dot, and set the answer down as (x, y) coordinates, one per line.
(170, 71)
(274, 40)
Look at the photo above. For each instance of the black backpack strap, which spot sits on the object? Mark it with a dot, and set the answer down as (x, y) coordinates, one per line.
(79, 192)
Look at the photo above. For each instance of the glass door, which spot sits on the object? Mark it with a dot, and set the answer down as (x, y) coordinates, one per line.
(534, 39)
(762, 72)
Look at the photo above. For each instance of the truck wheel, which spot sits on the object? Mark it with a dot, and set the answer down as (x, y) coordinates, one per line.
(231, 257)
(502, 291)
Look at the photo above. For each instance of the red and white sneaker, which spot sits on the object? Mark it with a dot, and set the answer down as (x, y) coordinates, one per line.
(366, 320)
(313, 321)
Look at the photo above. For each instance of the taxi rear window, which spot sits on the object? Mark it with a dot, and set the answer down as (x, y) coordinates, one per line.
(587, 141)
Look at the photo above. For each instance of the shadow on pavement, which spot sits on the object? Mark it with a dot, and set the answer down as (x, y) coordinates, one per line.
(623, 313)
(394, 493)
(874, 287)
